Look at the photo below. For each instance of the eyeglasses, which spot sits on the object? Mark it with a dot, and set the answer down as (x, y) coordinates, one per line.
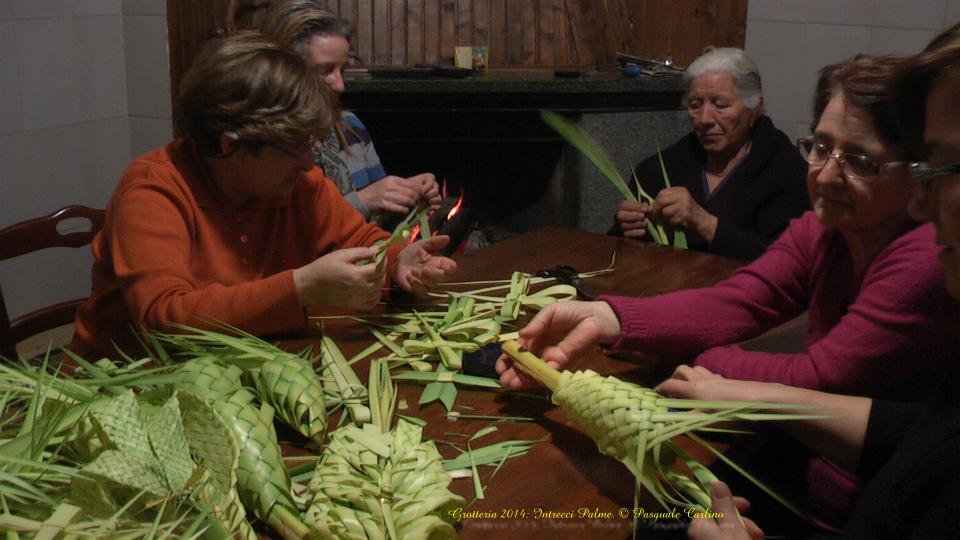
(924, 175)
(855, 165)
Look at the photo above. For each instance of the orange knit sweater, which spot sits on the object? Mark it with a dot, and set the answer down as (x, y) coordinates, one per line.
(172, 251)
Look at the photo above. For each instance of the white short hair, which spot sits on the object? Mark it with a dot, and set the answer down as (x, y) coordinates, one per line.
(743, 70)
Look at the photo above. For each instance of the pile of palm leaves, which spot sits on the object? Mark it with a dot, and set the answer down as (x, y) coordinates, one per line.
(433, 343)
(89, 458)
(186, 449)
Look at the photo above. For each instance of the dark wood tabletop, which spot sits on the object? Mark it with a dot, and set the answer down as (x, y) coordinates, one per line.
(566, 473)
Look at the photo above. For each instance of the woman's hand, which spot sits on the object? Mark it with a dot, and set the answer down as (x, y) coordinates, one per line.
(427, 189)
(697, 382)
(559, 333)
(729, 526)
(632, 218)
(393, 194)
(419, 268)
(336, 280)
(676, 206)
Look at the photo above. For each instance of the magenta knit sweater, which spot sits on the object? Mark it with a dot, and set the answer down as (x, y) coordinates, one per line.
(889, 332)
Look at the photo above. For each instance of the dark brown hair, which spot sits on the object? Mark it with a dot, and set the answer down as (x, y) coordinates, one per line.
(253, 91)
(863, 81)
(915, 79)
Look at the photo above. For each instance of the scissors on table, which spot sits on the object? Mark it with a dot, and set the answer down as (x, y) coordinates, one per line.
(569, 275)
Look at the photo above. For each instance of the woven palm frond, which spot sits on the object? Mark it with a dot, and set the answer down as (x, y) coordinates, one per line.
(262, 481)
(636, 426)
(376, 482)
(371, 484)
(285, 380)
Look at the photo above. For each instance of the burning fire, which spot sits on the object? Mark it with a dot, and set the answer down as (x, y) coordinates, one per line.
(456, 207)
(415, 232)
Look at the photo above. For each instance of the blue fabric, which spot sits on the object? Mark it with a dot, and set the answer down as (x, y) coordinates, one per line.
(353, 167)
(361, 156)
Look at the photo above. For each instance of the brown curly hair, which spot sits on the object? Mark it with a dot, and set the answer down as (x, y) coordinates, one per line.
(254, 92)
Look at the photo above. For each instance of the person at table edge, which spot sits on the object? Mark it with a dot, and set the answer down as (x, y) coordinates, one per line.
(234, 223)
(909, 451)
(736, 180)
(879, 321)
(347, 154)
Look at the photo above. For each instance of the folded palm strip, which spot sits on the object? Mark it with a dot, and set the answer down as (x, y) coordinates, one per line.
(401, 233)
(376, 482)
(423, 339)
(635, 425)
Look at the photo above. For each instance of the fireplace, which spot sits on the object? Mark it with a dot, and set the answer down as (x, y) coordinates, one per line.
(483, 136)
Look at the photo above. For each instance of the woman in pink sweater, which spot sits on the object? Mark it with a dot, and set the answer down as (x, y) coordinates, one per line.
(880, 323)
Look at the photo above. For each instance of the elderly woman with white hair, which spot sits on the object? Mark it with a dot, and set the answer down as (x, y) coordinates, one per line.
(736, 179)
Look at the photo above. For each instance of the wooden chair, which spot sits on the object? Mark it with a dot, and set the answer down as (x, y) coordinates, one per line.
(33, 235)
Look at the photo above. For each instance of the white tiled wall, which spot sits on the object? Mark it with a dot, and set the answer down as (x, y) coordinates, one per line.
(84, 87)
(148, 75)
(792, 39)
(11, 106)
(147, 134)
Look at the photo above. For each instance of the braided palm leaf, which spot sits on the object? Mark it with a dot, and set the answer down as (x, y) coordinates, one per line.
(262, 480)
(215, 449)
(208, 378)
(376, 485)
(285, 380)
(635, 425)
(290, 385)
(630, 423)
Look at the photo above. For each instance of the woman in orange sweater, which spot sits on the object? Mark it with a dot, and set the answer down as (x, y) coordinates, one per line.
(233, 223)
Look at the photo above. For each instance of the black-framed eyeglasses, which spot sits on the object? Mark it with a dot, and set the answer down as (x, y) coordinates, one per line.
(855, 165)
(923, 174)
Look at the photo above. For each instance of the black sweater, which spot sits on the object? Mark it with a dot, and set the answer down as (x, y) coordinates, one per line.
(754, 204)
(912, 457)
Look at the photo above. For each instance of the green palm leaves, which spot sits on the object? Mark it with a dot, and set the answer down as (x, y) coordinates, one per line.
(589, 147)
(284, 380)
(374, 482)
(636, 426)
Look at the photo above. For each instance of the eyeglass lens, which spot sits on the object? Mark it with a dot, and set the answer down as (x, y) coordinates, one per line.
(856, 164)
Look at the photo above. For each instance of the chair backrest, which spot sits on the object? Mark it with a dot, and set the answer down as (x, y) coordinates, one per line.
(33, 235)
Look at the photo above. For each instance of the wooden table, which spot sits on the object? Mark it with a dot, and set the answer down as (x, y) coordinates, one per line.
(567, 473)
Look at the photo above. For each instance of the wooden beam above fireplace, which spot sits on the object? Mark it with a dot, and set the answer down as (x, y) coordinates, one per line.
(515, 90)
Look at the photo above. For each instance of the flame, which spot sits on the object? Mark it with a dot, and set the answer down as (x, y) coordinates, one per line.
(456, 208)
